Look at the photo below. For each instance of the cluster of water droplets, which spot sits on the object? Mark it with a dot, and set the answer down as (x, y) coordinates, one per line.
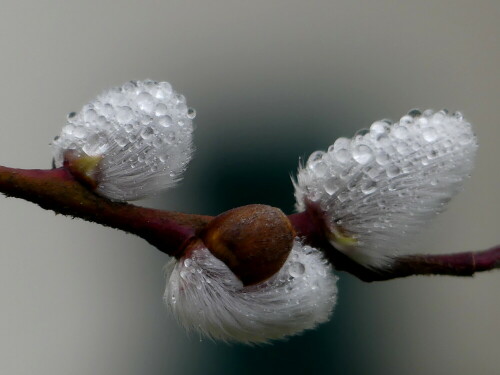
(207, 297)
(143, 131)
(387, 180)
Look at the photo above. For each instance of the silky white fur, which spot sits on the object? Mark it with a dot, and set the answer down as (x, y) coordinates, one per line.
(205, 296)
(383, 185)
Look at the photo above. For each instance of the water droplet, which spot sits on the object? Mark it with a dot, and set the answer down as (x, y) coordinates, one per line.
(346, 173)
(124, 115)
(331, 186)
(382, 158)
(438, 116)
(342, 155)
(108, 110)
(383, 139)
(458, 115)
(158, 93)
(129, 86)
(90, 115)
(422, 121)
(163, 157)
(369, 187)
(137, 143)
(165, 121)
(69, 129)
(145, 102)
(414, 112)
(343, 196)
(170, 137)
(191, 113)
(379, 127)
(406, 120)
(430, 134)
(166, 88)
(161, 110)
(319, 167)
(315, 157)
(360, 133)
(96, 144)
(372, 172)
(296, 269)
(432, 154)
(180, 99)
(342, 143)
(393, 170)
(80, 132)
(157, 142)
(188, 262)
(147, 132)
(121, 141)
(400, 132)
(102, 122)
(403, 148)
(307, 250)
(362, 154)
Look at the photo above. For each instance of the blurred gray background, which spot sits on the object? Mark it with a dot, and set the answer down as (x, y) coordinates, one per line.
(271, 81)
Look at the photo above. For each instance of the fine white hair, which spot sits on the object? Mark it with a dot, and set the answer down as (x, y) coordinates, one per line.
(383, 185)
(204, 295)
(143, 132)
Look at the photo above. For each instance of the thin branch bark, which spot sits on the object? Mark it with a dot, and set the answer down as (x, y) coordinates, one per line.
(311, 227)
(171, 232)
(58, 190)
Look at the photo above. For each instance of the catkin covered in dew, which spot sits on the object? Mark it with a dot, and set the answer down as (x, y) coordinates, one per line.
(205, 296)
(140, 133)
(381, 186)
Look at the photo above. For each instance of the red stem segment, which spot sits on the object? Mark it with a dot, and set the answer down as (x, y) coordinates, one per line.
(58, 190)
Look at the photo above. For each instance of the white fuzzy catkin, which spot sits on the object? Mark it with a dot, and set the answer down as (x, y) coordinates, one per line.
(205, 296)
(384, 184)
(143, 131)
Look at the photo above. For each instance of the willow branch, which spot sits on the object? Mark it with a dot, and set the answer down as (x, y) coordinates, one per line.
(310, 227)
(171, 232)
(58, 190)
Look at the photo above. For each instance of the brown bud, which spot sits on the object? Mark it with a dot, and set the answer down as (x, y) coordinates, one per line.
(253, 241)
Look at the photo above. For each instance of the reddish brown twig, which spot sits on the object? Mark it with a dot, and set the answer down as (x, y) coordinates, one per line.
(170, 232)
(309, 226)
(58, 190)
